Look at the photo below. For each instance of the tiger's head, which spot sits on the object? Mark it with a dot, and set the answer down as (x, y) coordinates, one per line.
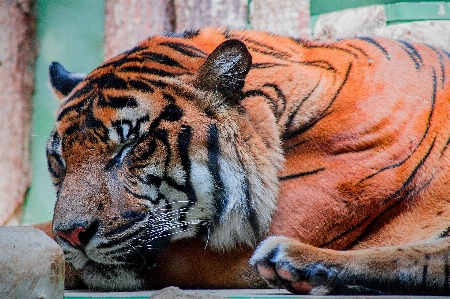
(155, 146)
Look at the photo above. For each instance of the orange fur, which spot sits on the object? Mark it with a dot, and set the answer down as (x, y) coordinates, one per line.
(362, 126)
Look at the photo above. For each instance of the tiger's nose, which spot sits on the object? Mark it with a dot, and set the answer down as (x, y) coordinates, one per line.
(79, 235)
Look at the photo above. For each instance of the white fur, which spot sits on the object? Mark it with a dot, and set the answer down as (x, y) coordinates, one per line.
(116, 279)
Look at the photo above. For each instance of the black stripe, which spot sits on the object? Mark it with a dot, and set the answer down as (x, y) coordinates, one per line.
(146, 70)
(286, 135)
(441, 63)
(134, 50)
(120, 239)
(433, 100)
(139, 196)
(122, 58)
(445, 233)
(56, 174)
(168, 97)
(149, 151)
(80, 92)
(374, 42)
(77, 108)
(141, 85)
(171, 113)
(219, 196)
(259, 93)
(98, 127)
(117, 102)
(329, 47)
(249, 210)
(320, 64)
(69, 131)
(110, 80)
(445, 146)
(345, 233)
(398, 193)
(152, 179)
(265, 65)
(446, 53)
(185, 49)
(301, 174)
(135, 217)
(425, 273)
(358, 49)
(280, 104)
(266, 49)
(411, 177)
(136, 130)
(333, 47)
(412, 52)
(293, 113)
(163, 136)
(446, 274)
(183, 143)
(161, 58)
(156, 83)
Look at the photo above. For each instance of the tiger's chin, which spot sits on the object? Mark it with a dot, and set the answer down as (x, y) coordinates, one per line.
(110, 277)
(101, 276)
(106, 275)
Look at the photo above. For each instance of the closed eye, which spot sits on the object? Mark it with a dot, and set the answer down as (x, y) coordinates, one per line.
(55, 165)
(121, 153)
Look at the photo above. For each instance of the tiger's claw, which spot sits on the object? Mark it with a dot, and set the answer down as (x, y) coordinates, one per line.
(273, 263)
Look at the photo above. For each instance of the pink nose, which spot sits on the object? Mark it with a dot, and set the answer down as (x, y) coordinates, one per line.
(73, 236)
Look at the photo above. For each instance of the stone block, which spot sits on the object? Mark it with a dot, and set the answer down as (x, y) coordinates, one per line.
(31, 264)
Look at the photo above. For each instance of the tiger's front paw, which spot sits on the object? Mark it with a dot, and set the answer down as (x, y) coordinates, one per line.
(287, 263)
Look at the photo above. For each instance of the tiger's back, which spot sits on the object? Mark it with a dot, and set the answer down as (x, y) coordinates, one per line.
(200, 136)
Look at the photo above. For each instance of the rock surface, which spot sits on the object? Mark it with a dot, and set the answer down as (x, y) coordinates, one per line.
(31, 264)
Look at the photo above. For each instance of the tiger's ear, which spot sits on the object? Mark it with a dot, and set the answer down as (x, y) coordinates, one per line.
(62, 81)
(224, 71)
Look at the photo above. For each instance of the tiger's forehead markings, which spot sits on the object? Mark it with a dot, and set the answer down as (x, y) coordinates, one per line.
(111, 105)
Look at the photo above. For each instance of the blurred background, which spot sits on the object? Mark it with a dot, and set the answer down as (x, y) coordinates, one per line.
(81, 34)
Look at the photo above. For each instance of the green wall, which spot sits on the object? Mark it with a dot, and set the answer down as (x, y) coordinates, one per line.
(323, 6)
(71, 32)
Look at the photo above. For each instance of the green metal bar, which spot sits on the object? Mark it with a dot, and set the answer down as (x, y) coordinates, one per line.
(318, 7)
(408, 12)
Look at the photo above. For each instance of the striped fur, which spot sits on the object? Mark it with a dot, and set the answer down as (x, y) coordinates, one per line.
(232, 136)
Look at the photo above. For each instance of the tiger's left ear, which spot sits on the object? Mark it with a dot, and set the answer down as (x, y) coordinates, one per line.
(62, 81)
(224, 71)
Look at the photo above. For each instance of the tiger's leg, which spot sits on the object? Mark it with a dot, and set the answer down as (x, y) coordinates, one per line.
(418, 268)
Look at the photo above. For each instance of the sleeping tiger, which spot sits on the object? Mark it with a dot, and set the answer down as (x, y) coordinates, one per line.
(174, 159)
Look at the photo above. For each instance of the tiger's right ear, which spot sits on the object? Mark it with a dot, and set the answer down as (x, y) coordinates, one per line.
(62, 81)
(224, 71)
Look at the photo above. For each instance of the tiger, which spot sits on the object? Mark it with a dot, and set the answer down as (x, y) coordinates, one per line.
(173, 160)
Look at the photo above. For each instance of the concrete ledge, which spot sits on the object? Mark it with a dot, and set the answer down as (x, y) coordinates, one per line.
(31, 264)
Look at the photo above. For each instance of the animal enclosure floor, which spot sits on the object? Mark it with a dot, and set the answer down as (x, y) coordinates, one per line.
(228, 293)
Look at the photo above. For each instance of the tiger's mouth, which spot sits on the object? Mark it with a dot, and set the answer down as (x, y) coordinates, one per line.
(130, 253)
(131, 247)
